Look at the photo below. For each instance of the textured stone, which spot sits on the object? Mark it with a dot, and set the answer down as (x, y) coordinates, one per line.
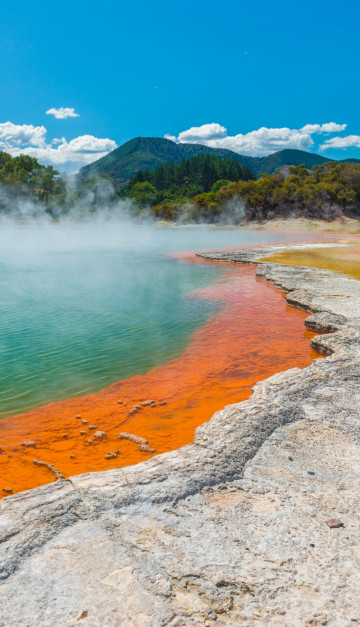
(229, 530)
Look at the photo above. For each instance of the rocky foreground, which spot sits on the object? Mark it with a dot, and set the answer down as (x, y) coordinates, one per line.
(255, 523)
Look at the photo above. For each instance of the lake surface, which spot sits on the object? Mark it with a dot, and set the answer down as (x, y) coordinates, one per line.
(83, 306)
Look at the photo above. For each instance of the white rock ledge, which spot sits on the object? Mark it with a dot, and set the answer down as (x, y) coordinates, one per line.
(229, 530)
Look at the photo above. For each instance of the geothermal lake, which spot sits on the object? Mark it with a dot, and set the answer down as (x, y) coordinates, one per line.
(83, 306)
(116, 328)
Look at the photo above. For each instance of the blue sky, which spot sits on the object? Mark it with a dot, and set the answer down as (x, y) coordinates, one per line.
(153, 69)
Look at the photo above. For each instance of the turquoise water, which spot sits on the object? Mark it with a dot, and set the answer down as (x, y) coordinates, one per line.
(83, 306)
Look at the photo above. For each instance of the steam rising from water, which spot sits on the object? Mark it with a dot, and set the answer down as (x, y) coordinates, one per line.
(233, 212)
(84, 304)
(96, 201)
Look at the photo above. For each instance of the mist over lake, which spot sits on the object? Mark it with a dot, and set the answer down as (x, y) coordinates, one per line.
(85, 305)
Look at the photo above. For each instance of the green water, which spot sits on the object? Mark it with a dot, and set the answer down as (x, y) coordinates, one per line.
(83, 306)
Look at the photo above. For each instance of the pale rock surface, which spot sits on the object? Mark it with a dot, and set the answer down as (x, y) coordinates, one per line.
(229, 530)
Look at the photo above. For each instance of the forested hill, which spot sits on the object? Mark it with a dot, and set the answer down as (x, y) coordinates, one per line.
(147, 153)
(277, 160)
(194, 176)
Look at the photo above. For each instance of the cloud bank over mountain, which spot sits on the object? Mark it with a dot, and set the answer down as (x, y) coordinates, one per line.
(263, 141)
(69, 155)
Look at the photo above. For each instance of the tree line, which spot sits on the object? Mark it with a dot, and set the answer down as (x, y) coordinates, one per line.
(205, 188)
(171, 187)
(24, 178)
(197, 174)
(325, 192)
(24, 174)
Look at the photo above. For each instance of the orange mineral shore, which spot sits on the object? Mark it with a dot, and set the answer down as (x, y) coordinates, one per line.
(253, 335)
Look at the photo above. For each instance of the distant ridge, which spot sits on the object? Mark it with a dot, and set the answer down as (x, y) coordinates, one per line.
(144, 153)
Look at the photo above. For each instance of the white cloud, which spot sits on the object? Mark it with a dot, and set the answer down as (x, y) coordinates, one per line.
(72, 155)
(266, 140)
(62, 113)
(332, 127)
(198, 134)
(329, 127)
(309, 129)
(260, 142)
(12, 135)
(350, 141)
(65, 155)
(255, 143)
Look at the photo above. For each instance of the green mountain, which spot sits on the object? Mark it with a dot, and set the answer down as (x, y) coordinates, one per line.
(144, 153)
(278, 160)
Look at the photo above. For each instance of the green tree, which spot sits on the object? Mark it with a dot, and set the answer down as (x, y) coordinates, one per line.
(143, 194)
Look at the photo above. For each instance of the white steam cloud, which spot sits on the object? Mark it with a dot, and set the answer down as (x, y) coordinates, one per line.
(95, 201)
